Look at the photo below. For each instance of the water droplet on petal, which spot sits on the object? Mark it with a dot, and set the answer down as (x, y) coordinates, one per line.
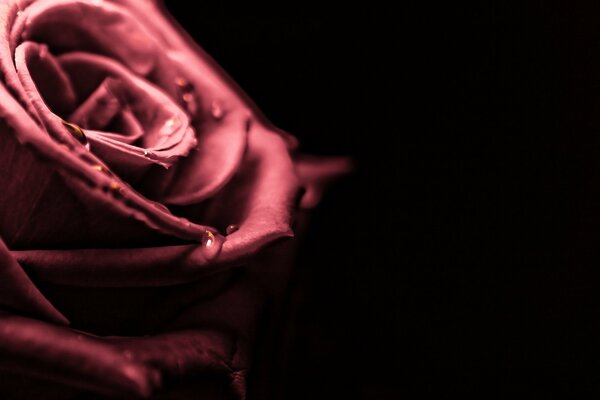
(232, 228)
(191, 104)
(77, 133)
(147, 154)
(115, 186)
(211, 244)
(100, 168)
(186, 89)
(184, 85)
(43, 52)
(208, 240)
(216, 110)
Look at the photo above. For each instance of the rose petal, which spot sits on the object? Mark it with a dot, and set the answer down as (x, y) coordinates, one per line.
(53, 84)
(261, 200)
(133, 310)
(151, 266)
(202, 174)
(42, 350)
(316, 173)
(154, 109)
(17, 292)
(61, 25)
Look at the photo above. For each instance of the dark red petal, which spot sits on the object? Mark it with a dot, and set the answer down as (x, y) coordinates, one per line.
(18, 293)
(50, 352)
(180, 353)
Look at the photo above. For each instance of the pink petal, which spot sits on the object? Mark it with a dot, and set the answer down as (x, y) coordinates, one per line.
(221, 148)
(68, 180)
(261, 199)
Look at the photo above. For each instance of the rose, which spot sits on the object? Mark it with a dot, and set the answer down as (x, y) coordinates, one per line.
(135, 176)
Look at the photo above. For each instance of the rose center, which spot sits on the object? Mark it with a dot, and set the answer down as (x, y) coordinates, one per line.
(130, 123)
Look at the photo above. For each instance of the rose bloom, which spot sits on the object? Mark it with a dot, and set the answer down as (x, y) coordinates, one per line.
(144, 205)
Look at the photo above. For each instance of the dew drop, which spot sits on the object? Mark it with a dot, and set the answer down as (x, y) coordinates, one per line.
(186, 90)
(43, 52)
(211, 244)
(184, 85)
(231, 229)
(115, 186)
(100, 168)
(147, 154)
(191, 104)
(208, 240)
(216, 110)
(77, 133)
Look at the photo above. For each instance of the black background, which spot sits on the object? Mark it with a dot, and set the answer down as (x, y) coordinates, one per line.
(503, 299)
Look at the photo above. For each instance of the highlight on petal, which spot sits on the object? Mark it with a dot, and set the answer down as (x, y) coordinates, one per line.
(59, 24)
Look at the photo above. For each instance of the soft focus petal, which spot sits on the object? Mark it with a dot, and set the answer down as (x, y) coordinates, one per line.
(316, 173)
